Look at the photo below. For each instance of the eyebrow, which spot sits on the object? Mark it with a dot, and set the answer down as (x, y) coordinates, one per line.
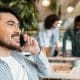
(11, 21)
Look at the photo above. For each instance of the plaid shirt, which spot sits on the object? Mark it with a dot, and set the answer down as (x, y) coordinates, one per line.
(74, 36)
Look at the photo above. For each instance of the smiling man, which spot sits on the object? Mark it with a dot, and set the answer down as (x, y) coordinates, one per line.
(13, 65)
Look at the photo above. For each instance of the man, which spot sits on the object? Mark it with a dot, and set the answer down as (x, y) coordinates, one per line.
(13, 65)
(73, 33)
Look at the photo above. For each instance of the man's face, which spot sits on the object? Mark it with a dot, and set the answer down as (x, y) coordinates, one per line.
(77, 25)
(9, 31)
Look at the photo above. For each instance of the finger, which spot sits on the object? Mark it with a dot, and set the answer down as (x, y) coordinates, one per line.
(25, 37)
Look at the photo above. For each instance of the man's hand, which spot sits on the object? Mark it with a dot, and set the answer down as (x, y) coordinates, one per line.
(31, 45)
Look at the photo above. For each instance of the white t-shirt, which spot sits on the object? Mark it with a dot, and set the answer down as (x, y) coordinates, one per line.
(17, 70)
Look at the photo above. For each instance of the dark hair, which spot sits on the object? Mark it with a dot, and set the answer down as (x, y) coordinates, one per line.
(11, 10)
(77, 18)
(76, 22)
(49, 20)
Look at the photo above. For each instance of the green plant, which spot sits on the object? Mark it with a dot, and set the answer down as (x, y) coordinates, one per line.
(27, 11)
(53, 5)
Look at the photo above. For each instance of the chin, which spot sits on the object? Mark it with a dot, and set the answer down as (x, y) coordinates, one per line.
(10, 46)
(14, 47)
(17, 45)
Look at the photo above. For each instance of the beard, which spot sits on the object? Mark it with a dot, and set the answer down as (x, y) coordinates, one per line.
(8, 46)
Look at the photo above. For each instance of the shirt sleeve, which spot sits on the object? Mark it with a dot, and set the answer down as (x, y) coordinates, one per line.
(66, 35)
(55, 35)
(40, 38)
(42, 64)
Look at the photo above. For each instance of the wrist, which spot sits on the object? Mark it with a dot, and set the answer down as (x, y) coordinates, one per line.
(38, 52)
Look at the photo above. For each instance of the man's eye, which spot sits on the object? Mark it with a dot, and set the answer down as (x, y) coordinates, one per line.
(11, 24)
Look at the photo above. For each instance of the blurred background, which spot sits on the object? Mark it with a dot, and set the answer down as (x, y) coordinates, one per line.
(34, 12)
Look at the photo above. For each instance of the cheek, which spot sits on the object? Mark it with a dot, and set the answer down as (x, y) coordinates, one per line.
(4, 35)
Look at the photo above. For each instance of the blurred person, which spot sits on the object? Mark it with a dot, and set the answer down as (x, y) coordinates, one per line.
(73, 33)
(49, 36)
(14, 65)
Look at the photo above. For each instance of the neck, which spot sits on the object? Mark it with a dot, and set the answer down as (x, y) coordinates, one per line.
(4, 52)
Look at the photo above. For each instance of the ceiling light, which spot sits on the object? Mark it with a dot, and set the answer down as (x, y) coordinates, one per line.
(70, 9)
(45, 3)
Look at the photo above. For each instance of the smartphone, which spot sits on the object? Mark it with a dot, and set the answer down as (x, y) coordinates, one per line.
(22, 42)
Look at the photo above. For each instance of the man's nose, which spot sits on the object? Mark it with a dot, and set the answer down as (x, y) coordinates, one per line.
(17, 29)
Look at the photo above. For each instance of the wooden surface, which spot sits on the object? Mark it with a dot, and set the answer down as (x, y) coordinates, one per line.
(62, 75)
(62, 70)
(60, 66)
(63, 58)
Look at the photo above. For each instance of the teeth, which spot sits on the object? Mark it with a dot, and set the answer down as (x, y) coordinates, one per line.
(16, 38)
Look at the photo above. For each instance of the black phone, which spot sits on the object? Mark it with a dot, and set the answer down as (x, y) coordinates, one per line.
(22, 42)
